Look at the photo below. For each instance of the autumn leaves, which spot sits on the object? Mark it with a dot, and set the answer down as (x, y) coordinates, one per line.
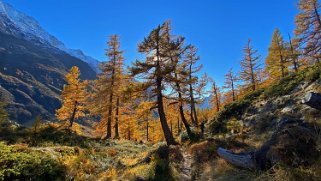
(166, 80)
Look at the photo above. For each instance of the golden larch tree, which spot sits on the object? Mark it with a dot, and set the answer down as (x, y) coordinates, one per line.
(180, 81)
(73, 97)
(308, 27)
(191, 59)
(294, 53)
(230, 84)
(216, 96)
(250, 67)
(107, 89)
(155, 70)
(277, 62)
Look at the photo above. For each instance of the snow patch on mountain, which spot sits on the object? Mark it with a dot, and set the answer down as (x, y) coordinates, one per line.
(33, 31)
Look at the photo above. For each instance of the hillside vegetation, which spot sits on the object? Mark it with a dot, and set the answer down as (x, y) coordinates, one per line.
(143, 121)
(58, 154)
(251, 121)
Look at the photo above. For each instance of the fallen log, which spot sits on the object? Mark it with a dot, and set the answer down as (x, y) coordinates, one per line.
(313, 100)
(293, 143)
(239, 160)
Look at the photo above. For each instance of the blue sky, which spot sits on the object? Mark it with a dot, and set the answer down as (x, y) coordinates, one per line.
(218, 28)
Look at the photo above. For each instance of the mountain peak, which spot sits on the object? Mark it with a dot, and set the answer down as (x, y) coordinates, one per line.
(32, 30)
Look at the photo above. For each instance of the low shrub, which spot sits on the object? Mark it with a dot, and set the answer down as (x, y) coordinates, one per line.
(217, 127)
(235, 126)
(238, 107)
(162, 169)
(283, 87)
(313, 73)
(20, 163)
(232, 110)
(183, 136)
(287, 84)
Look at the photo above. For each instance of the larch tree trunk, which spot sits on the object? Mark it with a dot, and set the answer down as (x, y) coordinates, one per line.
(215, 89)
(117, 119)
(181, 110)
(109, 119)
(193, 109)
(110, 106)
(72, 118)
(294, 57)
(242, 161)
(167, 133)
(147, 129)
(129, 134)
(178, 126)
(233, 90)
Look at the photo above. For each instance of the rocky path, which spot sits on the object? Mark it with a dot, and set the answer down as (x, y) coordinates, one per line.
(186, 166)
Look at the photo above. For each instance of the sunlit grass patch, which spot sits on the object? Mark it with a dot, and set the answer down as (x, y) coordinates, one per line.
(145, 171)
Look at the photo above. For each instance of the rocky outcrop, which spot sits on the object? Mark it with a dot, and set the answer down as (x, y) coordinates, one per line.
(313, 100)
(293, 144)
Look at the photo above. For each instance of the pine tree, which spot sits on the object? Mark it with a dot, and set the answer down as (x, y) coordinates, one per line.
(107, 89)
(294, 53)
(230, 81)
(74, 97)
(179, 77)
(155, 70)
(191, 59)
(250, 66)
(216, 96)
(308, 27)
(120, 85)
(277, 59)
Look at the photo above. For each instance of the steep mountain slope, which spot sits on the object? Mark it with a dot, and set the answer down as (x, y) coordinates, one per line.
(32, 68)
(249, 125)
(29, 29)
(263, 109)
(31, 77)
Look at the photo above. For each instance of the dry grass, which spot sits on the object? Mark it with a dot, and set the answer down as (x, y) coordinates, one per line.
(143, 171)
(203, 151)
(219, 170)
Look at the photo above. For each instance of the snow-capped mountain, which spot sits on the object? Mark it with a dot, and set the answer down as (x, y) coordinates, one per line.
(19, 24)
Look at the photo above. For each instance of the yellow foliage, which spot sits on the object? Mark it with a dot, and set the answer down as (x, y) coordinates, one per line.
(110, 174)
(112, 152)
(144, 170)
(73, 96)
